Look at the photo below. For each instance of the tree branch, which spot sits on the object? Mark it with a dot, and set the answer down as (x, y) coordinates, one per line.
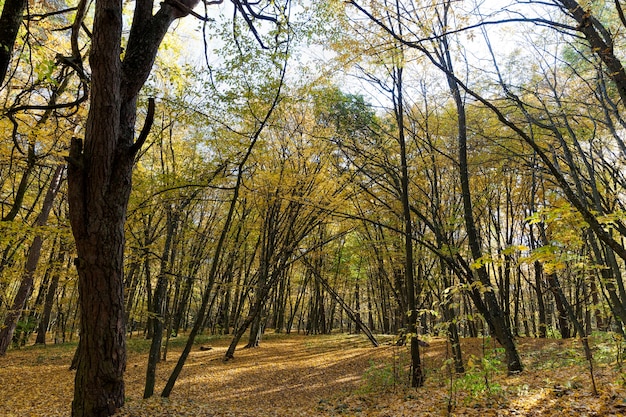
(145, 130)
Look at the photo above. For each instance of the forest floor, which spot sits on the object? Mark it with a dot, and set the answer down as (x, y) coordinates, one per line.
(335, 375)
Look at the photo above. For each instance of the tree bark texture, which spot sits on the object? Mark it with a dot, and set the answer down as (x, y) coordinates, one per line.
(99, 180)
(10, 22)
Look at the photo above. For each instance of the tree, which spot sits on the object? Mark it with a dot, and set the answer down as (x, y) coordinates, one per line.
(34, 252)
(99, 180)
(402, 27)
(10, 22)
(495, 317)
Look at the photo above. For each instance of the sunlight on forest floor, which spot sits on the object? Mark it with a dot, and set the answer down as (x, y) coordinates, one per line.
(335, 375)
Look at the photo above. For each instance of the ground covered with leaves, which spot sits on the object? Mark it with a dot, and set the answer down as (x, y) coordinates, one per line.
(336, 375)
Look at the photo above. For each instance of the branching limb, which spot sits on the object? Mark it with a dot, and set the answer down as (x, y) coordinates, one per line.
(147, 125)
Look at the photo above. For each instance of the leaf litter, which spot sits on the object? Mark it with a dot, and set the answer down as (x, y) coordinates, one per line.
(334, 375)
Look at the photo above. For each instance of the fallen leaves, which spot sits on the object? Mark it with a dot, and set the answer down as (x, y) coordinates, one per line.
(336, 375)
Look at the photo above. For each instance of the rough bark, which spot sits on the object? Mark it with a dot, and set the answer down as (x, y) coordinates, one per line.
(10, 22)
(99, 180)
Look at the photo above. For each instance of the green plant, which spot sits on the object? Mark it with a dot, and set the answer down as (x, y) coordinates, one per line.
(378, 377)
(477, 386)
(477, 381)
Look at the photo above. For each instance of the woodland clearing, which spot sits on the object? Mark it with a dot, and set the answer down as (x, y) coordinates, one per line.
(291, 375)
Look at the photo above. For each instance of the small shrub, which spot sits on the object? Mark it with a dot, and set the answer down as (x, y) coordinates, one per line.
(477, 380)
(378, 377)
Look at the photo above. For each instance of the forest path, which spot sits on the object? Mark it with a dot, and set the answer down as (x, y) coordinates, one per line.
(286, 374)
(331, 375)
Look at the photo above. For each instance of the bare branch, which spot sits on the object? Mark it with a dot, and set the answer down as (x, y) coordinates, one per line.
(40, 16)
(147, 125)
(620, 12)
(188, 10)
(76, 25)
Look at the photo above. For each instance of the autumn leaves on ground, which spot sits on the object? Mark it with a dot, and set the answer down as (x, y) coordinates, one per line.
(336, 375)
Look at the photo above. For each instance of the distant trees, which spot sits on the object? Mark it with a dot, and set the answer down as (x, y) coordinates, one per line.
(542, 114)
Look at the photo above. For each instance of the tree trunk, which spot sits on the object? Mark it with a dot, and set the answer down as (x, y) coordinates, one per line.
(10, 22)
(556, 288)
(256, 330)
(130, 291)
(99, 180)
(296, 307)
(540, 305)
(169, 386)
(31, 163)
(417, 375)
(44, 322)
(449, 316)
(34, 252)
(255, 311)
(34, 314)
(495, 316)
(157, 310)
(354, 316)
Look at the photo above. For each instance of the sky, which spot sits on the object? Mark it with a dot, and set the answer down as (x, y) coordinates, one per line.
(504, 38)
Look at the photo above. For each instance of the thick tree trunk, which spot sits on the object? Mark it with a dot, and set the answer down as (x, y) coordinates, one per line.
(10, 22)
(101, 358)
(99, 185)
(99, 179)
